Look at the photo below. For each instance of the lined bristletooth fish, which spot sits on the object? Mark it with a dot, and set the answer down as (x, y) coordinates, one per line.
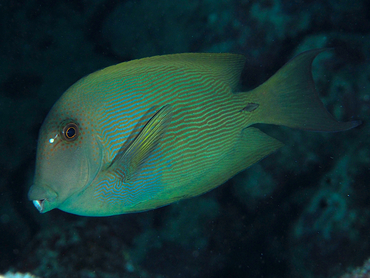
(145, 133)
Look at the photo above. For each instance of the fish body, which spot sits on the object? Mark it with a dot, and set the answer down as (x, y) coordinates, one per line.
(145, 133)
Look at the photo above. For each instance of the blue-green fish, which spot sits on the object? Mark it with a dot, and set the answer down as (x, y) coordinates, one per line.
(145, 133)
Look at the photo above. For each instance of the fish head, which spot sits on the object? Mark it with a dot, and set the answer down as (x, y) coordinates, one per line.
(68, 156)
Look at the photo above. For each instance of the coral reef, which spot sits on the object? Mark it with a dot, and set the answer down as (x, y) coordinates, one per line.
(17, 275)
(360, 272)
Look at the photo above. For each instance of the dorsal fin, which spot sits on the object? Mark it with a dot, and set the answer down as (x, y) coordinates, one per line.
(221, 66)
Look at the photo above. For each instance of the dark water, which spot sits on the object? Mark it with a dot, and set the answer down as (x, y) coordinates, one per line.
(302, 212)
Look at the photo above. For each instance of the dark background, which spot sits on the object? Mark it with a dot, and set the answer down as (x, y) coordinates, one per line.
(302, 212)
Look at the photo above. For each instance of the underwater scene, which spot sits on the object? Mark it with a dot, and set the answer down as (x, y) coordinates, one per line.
(186, 138)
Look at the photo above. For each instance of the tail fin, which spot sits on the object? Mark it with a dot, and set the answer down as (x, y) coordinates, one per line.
(289, 98)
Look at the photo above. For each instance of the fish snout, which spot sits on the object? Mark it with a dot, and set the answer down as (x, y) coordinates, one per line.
(42, 197)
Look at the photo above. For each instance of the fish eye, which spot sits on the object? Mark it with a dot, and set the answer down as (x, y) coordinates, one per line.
(70, 132)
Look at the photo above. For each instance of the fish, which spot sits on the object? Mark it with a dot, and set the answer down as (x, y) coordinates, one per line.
(145, 133)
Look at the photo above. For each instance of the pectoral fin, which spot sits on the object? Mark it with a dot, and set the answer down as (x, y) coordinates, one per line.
(136, 150)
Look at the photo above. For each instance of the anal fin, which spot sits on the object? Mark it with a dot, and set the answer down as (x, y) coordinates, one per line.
(253, 146)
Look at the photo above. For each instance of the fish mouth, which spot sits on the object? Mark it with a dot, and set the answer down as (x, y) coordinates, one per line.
(43, 197)
(39, 204)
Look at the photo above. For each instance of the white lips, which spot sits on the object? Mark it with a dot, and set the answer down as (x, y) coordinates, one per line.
(39, 204)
